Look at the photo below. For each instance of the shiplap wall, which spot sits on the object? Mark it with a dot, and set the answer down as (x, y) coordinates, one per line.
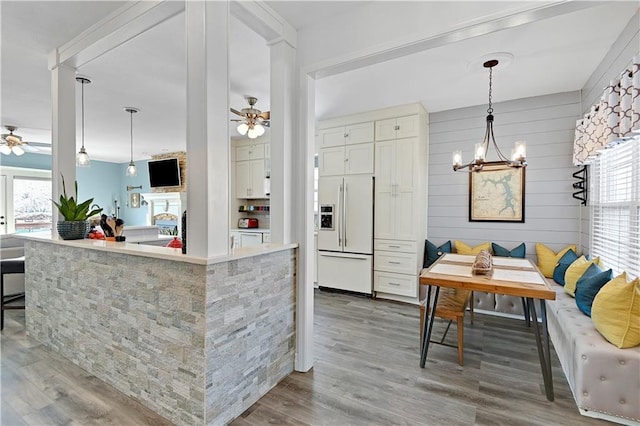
(547, 123)
(617, 59)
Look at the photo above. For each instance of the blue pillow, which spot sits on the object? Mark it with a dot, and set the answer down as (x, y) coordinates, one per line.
(432, 253)
(563, 264)
(500, 251)
(589, 285)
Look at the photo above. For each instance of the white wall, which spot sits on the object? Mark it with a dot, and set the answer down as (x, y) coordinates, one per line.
(551, 215)
(616, 60)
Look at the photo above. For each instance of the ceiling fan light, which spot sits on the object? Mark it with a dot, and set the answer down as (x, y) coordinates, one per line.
(17, 150)
(242, 128)
(259, 129)
(132, 170)
(5, 149)
(82, 159)
(253, 132)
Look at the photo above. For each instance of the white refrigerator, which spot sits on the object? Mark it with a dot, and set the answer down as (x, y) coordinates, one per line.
(345, 233)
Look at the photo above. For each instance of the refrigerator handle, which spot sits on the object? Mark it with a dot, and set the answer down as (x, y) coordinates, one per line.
(344, 214)
(339, 222)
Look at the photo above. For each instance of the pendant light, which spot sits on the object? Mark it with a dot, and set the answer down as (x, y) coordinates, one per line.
(132, 170)
(518, 153)
(82, 159)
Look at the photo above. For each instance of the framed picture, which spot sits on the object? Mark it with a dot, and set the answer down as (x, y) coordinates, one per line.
(496, 194)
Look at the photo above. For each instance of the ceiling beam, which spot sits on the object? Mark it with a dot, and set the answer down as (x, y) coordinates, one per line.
(396, 49)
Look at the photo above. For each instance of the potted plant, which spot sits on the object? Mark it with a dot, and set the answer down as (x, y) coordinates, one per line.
(75, 224)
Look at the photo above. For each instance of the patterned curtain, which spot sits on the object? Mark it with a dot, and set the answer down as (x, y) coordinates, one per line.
(614, 118)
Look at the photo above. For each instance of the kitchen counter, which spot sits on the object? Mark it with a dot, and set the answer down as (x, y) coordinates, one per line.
(261, 230)
(135, 249)
(196, 340)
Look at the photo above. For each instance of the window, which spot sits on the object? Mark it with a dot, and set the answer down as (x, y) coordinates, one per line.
(31, 204)
(615, 208)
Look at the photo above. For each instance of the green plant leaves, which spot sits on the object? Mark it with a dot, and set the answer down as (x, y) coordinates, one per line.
(70, 209)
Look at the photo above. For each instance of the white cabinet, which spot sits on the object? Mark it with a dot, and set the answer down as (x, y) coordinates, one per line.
(250, 177)
(346, 160)
(250, 152)
(396, 175)
(351, 134)
(397, 128)
(346, 150)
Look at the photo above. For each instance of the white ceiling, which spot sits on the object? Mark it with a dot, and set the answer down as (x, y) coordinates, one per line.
(148, 72)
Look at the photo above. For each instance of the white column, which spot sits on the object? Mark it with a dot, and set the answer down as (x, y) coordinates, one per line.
(304, 152)
(282, 122)
(208, 159)
(63, 137)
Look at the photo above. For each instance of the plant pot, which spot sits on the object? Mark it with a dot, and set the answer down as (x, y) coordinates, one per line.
(72, 229)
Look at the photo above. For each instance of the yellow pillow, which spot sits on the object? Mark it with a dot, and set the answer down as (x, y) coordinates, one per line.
(548, 259)
(462, 248)
(616, 311)
(575, 271)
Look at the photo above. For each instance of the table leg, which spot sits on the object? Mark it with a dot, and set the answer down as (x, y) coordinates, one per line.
(429, 315)
(543, 345)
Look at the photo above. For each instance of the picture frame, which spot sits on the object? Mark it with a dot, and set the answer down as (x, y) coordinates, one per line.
(497, 193)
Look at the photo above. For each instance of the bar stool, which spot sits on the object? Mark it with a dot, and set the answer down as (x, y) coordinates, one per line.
(10, 266)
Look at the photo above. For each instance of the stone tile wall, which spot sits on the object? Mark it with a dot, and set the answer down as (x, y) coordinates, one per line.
(139, 324)
(250, 330)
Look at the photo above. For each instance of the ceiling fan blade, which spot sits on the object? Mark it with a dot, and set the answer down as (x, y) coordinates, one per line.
(235, 111)
(237, 119)
(265, 115)
(29, 148)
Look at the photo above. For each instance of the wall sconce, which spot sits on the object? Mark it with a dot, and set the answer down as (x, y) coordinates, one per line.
(581, 185)
(134, 200)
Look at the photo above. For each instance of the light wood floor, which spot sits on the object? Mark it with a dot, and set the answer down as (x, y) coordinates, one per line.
(366, 373)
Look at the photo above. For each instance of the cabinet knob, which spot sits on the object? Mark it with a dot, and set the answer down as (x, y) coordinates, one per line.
(397, 128)
(346, 135)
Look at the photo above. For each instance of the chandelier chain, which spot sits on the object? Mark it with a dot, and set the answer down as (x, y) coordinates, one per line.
(490, 109)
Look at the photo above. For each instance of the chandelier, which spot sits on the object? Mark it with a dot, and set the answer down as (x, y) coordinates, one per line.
(518, 153)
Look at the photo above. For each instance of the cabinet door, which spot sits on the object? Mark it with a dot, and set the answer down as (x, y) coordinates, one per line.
(404, 214)
(257, 179)
(331, 161)
(243, 153)
(406, 151)
(243, 179)
(359, 133)
(407, 127)
(257, 151)
(384, 213)
(235, 242)
(386, 129)
(331, 137)
(358, 159)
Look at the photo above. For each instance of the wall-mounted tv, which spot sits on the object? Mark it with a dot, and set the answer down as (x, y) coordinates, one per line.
(164, 173)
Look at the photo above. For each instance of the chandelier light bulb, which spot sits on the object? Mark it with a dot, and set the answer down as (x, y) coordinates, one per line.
(457, 158)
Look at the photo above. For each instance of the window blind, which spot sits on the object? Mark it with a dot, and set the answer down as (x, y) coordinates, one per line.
(615, 208)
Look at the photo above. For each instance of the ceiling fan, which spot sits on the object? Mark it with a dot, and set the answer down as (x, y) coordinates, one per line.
(12, 143)
(253, 120)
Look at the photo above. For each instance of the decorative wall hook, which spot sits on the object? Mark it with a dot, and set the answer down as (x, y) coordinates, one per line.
(581, 185)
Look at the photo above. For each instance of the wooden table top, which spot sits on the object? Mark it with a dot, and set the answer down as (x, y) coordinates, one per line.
(510, 276)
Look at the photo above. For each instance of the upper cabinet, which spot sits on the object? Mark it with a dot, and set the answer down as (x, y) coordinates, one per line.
(346, 150)
(397, 128)
(351, 134)
(250, 152)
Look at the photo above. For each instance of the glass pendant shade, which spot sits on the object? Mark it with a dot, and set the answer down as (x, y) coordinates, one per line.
(256, 131)
(242, 128)
(82, 159)
(132, 170)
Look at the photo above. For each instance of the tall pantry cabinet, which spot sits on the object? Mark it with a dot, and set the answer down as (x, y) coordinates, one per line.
(394, 142)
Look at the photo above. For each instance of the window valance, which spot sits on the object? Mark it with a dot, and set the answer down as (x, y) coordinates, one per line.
(615, 117)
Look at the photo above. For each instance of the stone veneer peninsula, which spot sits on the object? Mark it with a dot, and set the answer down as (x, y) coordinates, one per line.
(196, 340)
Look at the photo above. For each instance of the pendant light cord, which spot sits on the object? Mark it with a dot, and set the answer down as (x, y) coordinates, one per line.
(131, 114)
(82, 102)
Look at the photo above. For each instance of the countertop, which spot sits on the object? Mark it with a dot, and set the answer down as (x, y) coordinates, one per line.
(261, 230)
(167, 253)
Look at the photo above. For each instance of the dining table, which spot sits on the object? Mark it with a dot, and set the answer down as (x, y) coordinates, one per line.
(508, 276)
